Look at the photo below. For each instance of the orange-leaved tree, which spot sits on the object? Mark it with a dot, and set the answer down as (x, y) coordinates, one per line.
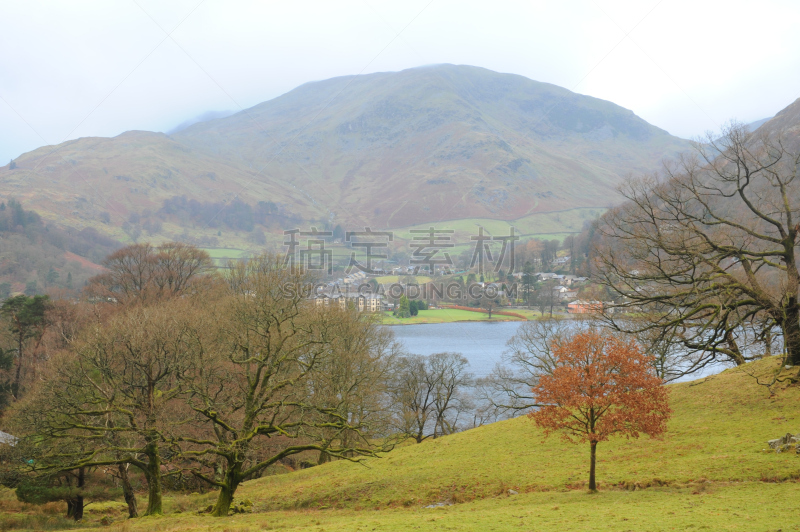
(601, 385)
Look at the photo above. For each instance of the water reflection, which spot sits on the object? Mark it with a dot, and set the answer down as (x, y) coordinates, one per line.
(482, 343)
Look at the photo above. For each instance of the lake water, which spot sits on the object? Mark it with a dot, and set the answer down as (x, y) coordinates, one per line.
(482, 343)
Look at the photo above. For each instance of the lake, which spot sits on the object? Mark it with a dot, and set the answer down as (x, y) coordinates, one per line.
(481, 342)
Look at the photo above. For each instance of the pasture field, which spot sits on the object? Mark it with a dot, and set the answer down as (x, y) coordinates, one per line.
(443, 315)
(391, 279)
(744, 507)
(545, 226)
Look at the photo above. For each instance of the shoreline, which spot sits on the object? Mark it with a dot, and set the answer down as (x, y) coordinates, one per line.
(491, 320)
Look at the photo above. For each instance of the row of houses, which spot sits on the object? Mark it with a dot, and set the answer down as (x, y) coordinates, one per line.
(362, 302)
(562, 280)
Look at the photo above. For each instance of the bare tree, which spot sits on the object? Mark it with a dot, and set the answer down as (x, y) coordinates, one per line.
(353, 380)
(448, 374)
(111, 399)
(260, 380)
(413, 396)
(507, 389)
(143, 273)
(708, 251)
(545, 297)
(430, 394)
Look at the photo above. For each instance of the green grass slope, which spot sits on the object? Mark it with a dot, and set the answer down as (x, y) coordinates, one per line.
(718, 431)
(443, 316)
(709, 472)
(731, 507)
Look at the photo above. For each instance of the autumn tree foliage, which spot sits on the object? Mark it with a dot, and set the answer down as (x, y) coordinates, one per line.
(601, 385)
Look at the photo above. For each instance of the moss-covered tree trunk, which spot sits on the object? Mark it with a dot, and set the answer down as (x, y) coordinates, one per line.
(324, 458)
(127, 491)
(791, 328)
(226, 491)
(153, 474)
(153, 471)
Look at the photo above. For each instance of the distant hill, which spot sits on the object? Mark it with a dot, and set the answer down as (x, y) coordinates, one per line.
(786, 122)
(38, 257)
(205, 117)
(758, 123)
(391, 149)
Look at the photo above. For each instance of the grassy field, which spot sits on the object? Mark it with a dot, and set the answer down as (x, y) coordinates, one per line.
(443, 316)
(710, 471)
(391, 279)
(533, 313)
(742, 507)
(546, 226)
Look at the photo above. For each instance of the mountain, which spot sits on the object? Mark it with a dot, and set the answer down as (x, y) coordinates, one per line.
(36, 257)
(786, 123)
(758, 123)
(392, 149)
(205, 117)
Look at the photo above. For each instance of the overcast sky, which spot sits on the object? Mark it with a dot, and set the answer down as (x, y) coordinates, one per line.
(84, 68)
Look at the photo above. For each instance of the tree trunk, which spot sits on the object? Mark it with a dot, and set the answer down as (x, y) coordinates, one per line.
(592, 462)
(791, 331)
(77, 510)
(17, 377)
(767, 338)
(736, 355)
(226, 491)
(75, 505)
(127, 491)
(419, 435)
(153, 474)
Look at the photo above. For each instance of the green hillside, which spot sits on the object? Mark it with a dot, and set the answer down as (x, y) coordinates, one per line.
(388, 150)
(718, 432)
(710, 471)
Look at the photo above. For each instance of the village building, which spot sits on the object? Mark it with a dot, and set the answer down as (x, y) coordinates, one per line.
(563, 293)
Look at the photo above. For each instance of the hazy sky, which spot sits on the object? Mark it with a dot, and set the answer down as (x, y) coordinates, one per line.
(82, 68)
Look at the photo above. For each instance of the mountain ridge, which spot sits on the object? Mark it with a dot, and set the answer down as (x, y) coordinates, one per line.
(386, 149)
